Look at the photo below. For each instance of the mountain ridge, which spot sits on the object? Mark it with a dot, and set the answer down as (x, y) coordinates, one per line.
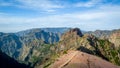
(42, 46)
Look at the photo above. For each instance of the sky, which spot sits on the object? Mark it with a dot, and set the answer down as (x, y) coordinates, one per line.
(88, 15)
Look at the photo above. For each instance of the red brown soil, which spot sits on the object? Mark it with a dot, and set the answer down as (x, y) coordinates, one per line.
(77, 59)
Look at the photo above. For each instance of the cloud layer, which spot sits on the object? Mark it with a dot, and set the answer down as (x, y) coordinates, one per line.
(95, 15)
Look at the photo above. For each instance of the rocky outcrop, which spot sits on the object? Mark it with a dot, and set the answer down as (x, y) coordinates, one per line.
(69, 40)
(76, 31)
(102, 34)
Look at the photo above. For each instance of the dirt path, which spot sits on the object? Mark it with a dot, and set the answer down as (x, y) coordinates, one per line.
(63, 60)
(77, 59)
(68, 60)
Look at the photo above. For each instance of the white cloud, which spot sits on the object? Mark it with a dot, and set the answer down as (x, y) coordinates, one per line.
(50, 5)
(90, 3)
(105, 17)
(45, 5)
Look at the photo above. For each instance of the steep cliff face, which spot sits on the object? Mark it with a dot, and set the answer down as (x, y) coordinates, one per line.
(10, 44)
(27, 45)
(115, 38)
(113, 35)
(47, 37)
(37, 43)
(102, 34)
(50, 30)
(69, 40)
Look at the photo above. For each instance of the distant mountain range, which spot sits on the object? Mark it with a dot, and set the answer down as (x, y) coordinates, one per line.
(20, 45)
(50, 30)
(41, 47)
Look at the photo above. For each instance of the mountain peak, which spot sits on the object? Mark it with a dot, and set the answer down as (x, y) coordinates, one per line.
(77, 31)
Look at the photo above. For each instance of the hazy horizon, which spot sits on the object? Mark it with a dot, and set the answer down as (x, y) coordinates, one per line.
(88, 15)
(59, 27)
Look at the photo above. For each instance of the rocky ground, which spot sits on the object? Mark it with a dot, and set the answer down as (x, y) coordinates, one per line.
(77, 59)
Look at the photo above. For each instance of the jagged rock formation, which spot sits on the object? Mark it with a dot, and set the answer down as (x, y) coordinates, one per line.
(102, 34)
(113, 35)
(69, 40)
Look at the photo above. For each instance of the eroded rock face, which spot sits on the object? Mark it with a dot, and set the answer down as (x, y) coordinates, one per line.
(26, 46)
(76, 32)
(69, 39)
(102, 34)
(115, 38)
(10, 44)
